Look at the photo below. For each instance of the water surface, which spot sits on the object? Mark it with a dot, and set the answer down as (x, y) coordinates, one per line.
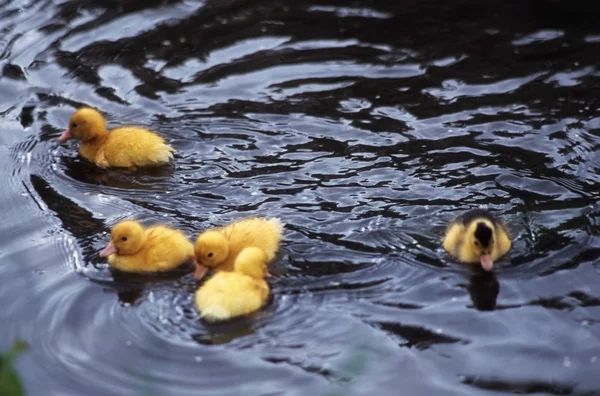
(365, 126)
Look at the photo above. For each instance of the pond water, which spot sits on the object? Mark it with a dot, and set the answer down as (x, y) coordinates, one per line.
(365, 126)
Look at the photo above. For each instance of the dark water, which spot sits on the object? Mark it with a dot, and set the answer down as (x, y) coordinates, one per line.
(365, 126)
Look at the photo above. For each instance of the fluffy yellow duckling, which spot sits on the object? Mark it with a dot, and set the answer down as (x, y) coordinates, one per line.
(125, 147)
(134, 248)
(230, 294)
(218, 248)
(477, 236)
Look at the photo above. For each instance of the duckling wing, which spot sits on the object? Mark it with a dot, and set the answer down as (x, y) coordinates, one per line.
(454, 238)
(131, 146)
(503, 242)
(167, 248)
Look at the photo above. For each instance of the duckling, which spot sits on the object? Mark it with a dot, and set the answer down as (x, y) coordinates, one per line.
(477, 236)
(126, 147)
(134, 248)
(218, 248)
(231, 294)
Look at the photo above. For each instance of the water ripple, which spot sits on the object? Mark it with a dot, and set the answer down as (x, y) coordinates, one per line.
(365, 129)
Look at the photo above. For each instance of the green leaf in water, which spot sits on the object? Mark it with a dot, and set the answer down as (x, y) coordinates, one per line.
(10, 384)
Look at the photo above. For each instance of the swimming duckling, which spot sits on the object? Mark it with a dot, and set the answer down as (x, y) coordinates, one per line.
(136, 249)
(219, 247)
(230, 294)
(477, 236)
(125, 147)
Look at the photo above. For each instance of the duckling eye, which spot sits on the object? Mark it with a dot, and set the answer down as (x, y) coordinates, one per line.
(476, 243)
(124, 239)
(73, 125)
(209, 255)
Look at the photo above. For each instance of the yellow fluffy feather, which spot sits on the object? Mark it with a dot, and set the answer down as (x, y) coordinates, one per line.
(136, 249)
(477, 237)
(125, 147)
(231, 294)
(219, 247)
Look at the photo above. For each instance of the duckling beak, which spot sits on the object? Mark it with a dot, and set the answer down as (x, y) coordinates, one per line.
(108, 250)
(486, 262)
(65, 137)
(200, 272)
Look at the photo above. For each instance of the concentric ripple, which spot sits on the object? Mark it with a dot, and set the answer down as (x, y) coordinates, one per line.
(365, 128)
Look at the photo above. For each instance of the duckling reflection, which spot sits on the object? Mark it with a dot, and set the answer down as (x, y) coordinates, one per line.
(125, 178)
(225, 332)
(130, 286)
(129, 297)
(484, 289)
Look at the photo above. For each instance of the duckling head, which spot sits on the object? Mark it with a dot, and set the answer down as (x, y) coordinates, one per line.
(212, 250)
(481, 241)
(85, 124)
(251, 261)
(127, 237)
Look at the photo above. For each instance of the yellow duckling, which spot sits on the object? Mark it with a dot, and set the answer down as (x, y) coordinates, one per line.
(230, 294)
(477, 236)
(136, 249)
(219, 247)
(125, 147)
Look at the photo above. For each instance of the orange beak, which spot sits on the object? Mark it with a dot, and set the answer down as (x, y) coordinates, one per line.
(65, 137)
(486, 262)
(108, 250)
(200, 272)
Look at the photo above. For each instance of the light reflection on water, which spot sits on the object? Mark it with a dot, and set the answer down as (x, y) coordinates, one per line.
(366, 129)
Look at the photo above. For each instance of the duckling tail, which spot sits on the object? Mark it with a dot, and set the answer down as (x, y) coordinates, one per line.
(215, 313)
(277, 223)
(163, 153)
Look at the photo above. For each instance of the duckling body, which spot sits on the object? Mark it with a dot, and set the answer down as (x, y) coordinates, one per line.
(231, 294)
(477, 237)
(219, 247)
(133, 248)
(124, 147)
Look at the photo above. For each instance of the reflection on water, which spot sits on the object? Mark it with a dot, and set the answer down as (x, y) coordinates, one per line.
(484, 289)
(366, 127)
